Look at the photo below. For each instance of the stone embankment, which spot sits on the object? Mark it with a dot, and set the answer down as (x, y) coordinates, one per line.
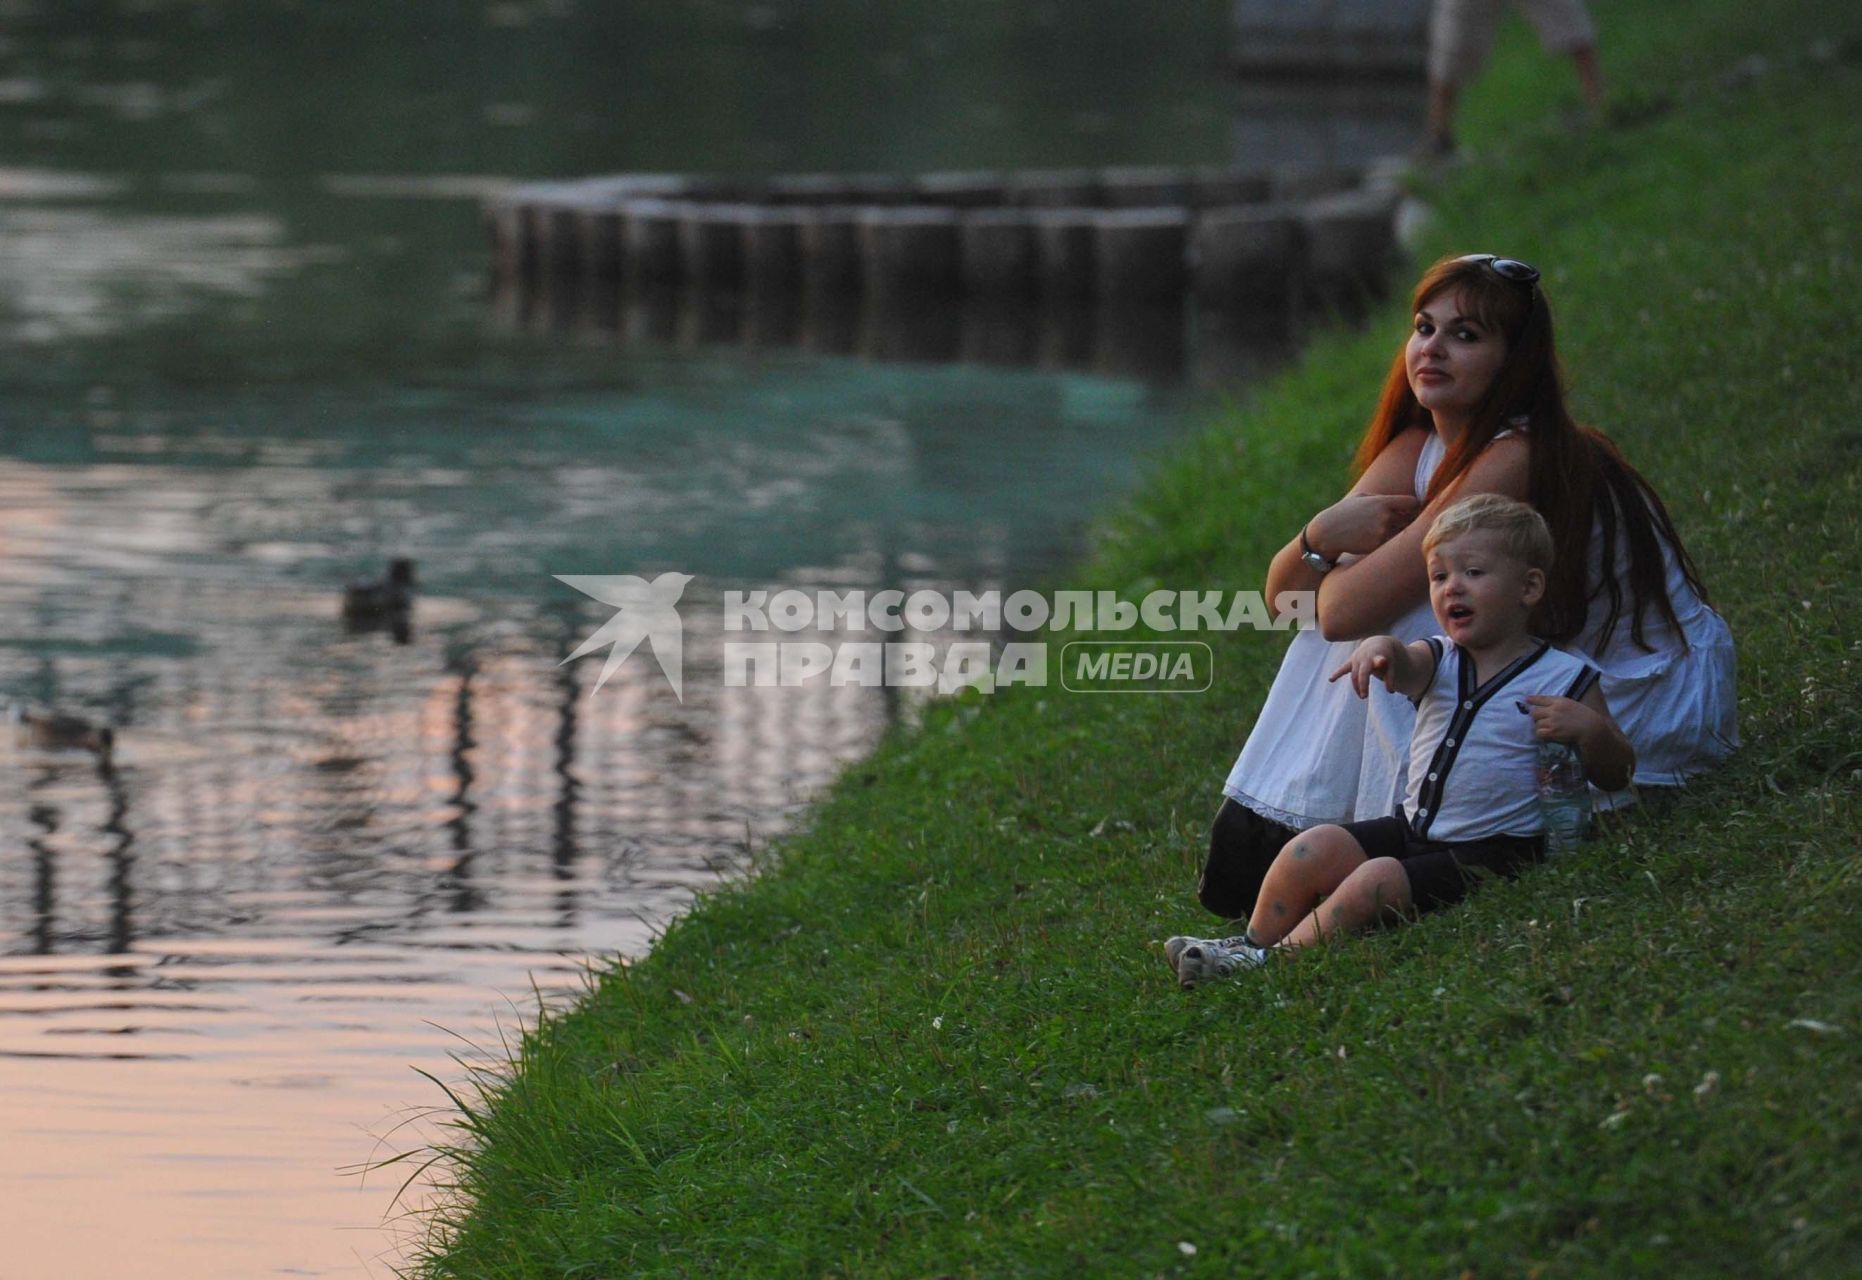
(1227, 237)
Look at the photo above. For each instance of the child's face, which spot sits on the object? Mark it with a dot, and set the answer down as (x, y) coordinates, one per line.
(1482, 596)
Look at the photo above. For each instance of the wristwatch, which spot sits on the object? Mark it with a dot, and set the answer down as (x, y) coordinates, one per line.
(1314, 561)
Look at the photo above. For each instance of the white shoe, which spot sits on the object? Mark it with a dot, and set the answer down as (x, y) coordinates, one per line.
(1204, 959)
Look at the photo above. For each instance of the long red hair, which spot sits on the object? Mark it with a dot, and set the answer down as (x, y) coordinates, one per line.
(1577, 478)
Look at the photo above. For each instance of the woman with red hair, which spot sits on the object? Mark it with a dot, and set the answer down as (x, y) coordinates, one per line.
(1473, 403)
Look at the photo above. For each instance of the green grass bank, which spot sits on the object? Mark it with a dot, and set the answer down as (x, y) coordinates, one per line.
(936, 1036)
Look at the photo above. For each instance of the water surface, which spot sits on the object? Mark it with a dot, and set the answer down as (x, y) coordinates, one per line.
(249, 354)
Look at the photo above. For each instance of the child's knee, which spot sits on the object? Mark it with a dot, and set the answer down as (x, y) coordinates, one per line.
(1326, 843)
(1381, 887)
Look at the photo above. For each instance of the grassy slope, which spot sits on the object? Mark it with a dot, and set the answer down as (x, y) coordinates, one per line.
(939, 1039)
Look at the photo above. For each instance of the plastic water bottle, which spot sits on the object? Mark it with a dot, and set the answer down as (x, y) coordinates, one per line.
(1564, 798)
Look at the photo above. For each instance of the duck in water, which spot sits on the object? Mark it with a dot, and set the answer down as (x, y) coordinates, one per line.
(385, 604)
(56, 731)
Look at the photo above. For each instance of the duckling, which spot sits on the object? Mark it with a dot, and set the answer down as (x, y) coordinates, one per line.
(55, 731)
(384, 603)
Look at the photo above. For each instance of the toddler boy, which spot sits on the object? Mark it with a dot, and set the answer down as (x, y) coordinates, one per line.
(1486, 693)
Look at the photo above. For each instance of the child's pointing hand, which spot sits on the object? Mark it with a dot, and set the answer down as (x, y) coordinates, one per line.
(1370, 660)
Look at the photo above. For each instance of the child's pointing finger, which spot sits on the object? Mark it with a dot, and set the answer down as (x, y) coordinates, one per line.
(1380, 666)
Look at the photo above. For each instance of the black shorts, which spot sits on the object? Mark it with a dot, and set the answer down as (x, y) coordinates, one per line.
(1442, 873)
(1242, 846)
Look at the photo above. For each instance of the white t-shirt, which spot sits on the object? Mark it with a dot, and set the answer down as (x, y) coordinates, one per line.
(1473, 760)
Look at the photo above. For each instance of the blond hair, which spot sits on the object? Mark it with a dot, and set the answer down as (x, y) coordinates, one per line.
(1521, 531)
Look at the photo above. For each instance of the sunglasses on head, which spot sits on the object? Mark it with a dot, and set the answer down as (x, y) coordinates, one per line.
(1512, 270)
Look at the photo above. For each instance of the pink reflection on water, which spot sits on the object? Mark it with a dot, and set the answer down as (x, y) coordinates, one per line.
(321, 862)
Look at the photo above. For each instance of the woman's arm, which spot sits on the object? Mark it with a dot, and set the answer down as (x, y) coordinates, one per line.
(1366, 596)
(1381, 502)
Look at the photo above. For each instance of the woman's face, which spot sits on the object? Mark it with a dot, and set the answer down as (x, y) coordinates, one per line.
(1451, 359)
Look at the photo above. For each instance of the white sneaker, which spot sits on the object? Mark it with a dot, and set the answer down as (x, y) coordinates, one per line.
(1174, 947)
(1204, 959)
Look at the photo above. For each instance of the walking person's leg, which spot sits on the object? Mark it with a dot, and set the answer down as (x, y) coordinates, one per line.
(1566, 29)
(1461, 35)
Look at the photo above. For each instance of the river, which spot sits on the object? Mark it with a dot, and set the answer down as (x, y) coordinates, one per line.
(250, 354)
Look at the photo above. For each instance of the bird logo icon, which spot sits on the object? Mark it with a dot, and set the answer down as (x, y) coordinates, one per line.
(646, 611)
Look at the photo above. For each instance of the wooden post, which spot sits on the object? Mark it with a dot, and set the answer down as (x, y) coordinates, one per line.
(1351, 239)
(909, 251)
(511, 254)
(772, 249)
(1140, 253)
(559, 247)
(998, 332)
(598, 236)
(711, 245)
(1140, 340)
(998, 253)
(829, 239)
(909, 327)
(1063, 253)
(650, 242)
(1246, 255)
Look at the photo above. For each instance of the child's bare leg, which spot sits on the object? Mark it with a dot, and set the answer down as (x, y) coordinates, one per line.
(1376, 891)
(1310, 865)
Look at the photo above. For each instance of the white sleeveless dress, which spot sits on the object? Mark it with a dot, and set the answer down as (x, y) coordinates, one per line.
(1316, 747)
(1677, 704)
(1318, 753)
